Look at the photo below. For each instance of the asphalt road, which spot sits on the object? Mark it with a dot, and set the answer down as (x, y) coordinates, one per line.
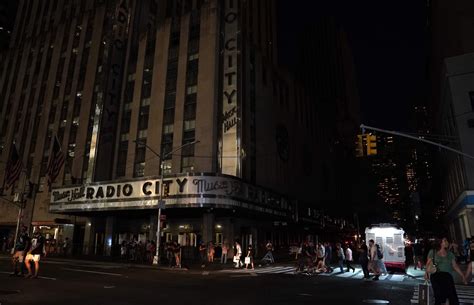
(71, 283)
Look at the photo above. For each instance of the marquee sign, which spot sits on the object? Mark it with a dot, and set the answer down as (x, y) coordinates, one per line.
(181, 191)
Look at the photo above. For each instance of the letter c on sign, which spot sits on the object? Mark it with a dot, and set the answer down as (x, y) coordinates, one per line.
(228, 47)
(230, 17)
(146, 187)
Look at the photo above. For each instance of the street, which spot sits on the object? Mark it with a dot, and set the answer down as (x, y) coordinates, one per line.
(78, 282)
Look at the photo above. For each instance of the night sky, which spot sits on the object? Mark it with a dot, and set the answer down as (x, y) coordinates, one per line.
(389, 45)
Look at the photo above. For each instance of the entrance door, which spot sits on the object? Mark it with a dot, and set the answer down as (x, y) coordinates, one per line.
(99, 244)
(78, 239)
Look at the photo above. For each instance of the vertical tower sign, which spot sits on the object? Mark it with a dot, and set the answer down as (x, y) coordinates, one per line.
(230, 140)
(106, 112)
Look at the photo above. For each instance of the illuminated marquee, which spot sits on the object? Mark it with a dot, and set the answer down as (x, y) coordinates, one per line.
(182, 191)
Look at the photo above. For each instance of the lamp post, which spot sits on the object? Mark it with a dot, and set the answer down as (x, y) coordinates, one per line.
(156, 260)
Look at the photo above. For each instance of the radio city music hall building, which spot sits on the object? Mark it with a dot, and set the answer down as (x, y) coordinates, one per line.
(101, 75)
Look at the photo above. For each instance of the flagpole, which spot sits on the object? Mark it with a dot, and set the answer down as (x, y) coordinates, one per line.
(20, 211)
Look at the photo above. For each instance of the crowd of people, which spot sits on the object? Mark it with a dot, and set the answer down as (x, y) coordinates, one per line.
(318, 258)
(137, 251)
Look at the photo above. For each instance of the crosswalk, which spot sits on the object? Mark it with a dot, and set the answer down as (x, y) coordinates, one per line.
(290, 270)
(465, 294)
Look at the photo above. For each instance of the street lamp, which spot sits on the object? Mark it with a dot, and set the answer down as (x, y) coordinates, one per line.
(156, 260)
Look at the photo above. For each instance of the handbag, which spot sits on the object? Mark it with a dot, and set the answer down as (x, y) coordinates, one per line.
(247, 260)
(236, 259)
(425, 293)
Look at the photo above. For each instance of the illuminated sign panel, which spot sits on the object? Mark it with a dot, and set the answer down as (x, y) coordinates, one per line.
(230, 142)
(182, 191)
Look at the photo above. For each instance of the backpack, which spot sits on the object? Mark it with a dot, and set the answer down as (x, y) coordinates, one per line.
(379, 253)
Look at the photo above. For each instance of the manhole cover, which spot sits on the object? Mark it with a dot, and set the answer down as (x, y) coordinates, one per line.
(7, 292)
(375, 302)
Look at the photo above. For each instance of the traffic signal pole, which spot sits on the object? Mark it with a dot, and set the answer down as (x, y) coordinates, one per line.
(400, 134)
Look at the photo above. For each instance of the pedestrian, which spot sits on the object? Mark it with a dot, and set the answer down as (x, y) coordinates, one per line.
(349, 259)
(328, 250)
(418, 255)
(123, 250)
(374, 260)
(249, 258)
(66, 246)
(439, 269)
(225, 249)
(364, 260)
(238, 255)
(320, 254)
(35, 252)
(340, 256)
(269, 255)
(380, 261)
(203, 254)
(19, 253)
(169, 254)
(177, 254)
(211, 252)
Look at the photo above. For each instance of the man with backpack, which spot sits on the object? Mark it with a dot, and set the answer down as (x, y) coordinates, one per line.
(382, 267)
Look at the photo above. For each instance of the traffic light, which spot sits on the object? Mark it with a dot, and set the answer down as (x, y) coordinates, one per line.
(371, 145)
(360, 146)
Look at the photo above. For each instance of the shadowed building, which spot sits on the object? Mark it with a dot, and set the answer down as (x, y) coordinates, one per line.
(100, 75)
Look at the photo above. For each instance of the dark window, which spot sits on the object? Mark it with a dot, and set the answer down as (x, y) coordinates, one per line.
(470, 123)
(122, 159)
(471, 97)
(168, 116)
(143, 118)
(125, 126)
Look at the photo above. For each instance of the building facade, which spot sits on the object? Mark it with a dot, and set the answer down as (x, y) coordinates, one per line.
(457, 123)
(120, 83)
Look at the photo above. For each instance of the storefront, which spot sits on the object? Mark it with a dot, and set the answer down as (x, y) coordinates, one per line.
(197, 208)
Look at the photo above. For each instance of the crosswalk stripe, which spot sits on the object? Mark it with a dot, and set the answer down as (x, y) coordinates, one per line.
(465, 294)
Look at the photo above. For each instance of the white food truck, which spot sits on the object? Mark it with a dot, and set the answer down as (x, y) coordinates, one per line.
(391, 239)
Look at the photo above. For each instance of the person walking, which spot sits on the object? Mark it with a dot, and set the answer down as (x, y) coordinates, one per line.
(349, 259)
(225, 249)
(211, 252)
(340, 256)
(374, 260)
(238, 255)
(439, 270)
(177, 254)
(328, 250)
(364, 260)
(34, 254)
(380, 261)
(269, 255)
(418, 255)
(66, 246)
(249, 258)
(22, 245)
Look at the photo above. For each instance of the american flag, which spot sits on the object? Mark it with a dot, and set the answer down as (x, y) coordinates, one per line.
(14, 168)
(56, 161)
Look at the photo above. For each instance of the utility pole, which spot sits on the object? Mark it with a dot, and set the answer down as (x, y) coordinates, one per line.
(161, 158)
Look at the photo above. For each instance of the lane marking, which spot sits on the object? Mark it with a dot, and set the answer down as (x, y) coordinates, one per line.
(109, 287)
(305, 294)
(94, 272)
(205, 273)
(41, 277)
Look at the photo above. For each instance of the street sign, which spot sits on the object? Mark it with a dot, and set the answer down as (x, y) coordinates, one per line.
(161, 204)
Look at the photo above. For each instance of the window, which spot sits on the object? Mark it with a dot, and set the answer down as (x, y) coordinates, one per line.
(139, 170)
(167, 167)
(167, 129)
(189, 125)
(187, 164)
(168, 117)
(125, 126)
(191, 90)
(470, 123)
(122, 158)
(143, 118)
